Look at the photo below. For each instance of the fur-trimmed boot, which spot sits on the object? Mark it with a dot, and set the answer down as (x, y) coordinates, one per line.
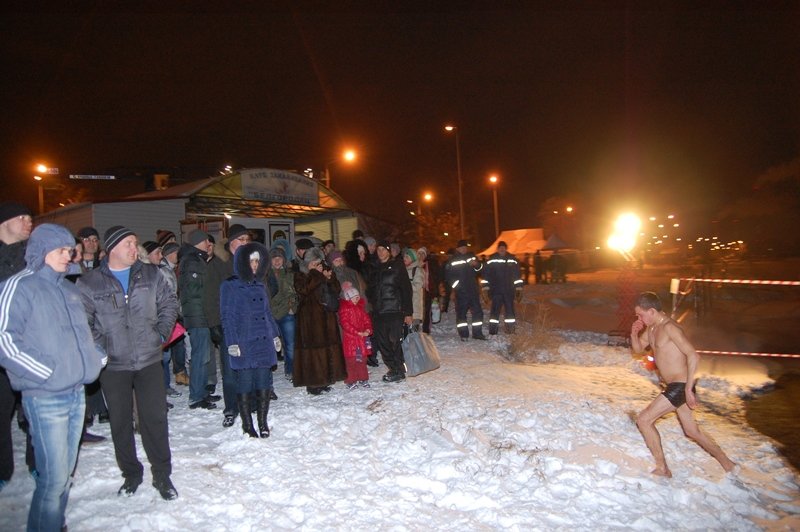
(263, 397)
(243, 401)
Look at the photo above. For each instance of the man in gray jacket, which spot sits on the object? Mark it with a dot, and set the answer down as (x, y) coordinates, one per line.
(48, 351)
(132, 310)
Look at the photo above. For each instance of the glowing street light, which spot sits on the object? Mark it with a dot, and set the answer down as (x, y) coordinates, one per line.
(493, 180)
(349, 156)
(451, 128)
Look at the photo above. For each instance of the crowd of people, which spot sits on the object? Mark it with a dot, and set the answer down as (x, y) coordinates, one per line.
(111, 327)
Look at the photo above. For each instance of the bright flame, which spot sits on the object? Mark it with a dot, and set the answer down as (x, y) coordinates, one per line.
(626, 228)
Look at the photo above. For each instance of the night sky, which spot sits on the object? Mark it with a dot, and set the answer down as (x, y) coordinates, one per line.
(608, 103)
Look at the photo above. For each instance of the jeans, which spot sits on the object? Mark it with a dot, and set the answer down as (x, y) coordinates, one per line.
(286, 325)
(166, 356)
(254, 379)
(200, 338)
(56, 425)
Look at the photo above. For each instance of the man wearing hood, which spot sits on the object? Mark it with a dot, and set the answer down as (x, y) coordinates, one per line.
(132, 310)
(47, 349)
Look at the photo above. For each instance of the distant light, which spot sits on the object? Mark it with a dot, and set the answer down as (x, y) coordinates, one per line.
(493, 179)
(641, 234)
(446, 234)
(409, 201)
(705, 240)
(449, 127)
(664, 236)
(671, 216)
(555, 212)
(713, 238)
(428, 196)
(679, 239)
(740, 241)
(37, 177)
(228, 216)
(41, 168)
(569, 209)
(597, 247)
(652, 218)
(349, 155)
(660, 226)
(676, 225)
(412, 213)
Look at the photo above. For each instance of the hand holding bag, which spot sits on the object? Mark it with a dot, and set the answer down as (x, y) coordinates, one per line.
(420, 353)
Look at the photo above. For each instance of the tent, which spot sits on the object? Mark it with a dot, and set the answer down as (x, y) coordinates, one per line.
(553, 243)
(519, 241)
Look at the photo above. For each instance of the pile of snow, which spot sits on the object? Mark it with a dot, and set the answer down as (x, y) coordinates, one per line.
(480, 443)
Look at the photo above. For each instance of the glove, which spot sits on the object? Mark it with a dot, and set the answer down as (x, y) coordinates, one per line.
(233, 350)
(277, 341)
(518, 296)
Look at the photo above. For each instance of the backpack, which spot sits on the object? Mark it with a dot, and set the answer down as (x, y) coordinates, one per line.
(328, 298)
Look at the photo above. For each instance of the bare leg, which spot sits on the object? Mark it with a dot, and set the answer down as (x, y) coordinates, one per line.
(692, 430)
(646, 421)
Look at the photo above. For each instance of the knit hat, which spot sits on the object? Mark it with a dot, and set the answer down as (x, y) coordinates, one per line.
(235, 231)
(86, 232)
(333, 255)
(368, 240)
(44, 239)
(163, 236)
(384, 244)
(422, 251)
(114, 235)
(197, 236)
(12, 209)
(462, 244)
(304, 243)
(350, 293)
(150, 246)
(169, 248)
(277, 252)
(502, 243)
(411, 254)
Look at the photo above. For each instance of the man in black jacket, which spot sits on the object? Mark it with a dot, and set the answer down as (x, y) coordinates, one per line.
(461, 275)
(389, 292)
(501, 278)
(132, 310)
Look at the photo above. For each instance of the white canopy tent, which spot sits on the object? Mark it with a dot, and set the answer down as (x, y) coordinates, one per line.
(519, 241)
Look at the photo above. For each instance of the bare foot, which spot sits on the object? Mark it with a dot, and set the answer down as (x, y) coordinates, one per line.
(729, 466)
(662, 472)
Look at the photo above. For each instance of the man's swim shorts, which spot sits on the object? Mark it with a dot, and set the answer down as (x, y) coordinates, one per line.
(676, 393)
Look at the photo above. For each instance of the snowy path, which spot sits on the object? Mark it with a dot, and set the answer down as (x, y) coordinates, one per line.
(480, 444)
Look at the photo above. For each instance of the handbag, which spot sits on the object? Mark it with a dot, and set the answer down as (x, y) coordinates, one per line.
(177, 333)
(420, 353)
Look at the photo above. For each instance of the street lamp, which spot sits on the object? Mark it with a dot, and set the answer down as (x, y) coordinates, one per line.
(426, 196)
(493, 180)
(460, 181)
(347, 156)
(41, 191)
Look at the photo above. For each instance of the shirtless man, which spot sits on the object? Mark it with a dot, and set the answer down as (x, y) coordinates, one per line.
(676, 360)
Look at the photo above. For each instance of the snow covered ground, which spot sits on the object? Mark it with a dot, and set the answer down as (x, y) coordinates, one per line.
(483, 443)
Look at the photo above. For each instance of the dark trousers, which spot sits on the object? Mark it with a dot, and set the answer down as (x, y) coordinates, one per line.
(505, 302)
(426, 311)
(388, 336)
(151, 405)
(178, 353)
(7, 401)
(469, 300)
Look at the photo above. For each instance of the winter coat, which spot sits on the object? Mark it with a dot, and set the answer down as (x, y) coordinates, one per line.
(416, 276)
(12, 259)
(191, 286)
(244, 308)
(354, 319)
(217, 270)
(282, 297)
(130, 328)
(46, 345)
(389, 290)
(318, 359)
(502, 274)
(461, 275)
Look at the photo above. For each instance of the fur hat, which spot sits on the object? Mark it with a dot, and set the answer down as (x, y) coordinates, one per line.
(114, 235)
(313, 254)
(277, 252)
(12, 209)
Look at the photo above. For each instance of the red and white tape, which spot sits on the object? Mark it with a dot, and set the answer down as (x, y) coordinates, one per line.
(739, 353)
(742, 281)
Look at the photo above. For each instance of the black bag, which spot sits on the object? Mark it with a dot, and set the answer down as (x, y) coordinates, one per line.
(328, 298)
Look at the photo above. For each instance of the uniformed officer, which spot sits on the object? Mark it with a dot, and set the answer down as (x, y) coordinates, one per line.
(461, 276)
(501, 277)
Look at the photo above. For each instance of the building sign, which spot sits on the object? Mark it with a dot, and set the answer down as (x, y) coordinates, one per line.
(279, 186)
(88, 176)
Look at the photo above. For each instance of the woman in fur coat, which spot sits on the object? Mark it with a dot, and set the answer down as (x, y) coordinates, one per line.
(250, 333)
(318, 360)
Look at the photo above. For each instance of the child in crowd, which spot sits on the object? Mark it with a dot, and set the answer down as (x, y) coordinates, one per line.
(356, 329)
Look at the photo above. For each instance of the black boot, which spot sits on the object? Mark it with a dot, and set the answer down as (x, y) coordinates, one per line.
(243, 401)
(261, 414)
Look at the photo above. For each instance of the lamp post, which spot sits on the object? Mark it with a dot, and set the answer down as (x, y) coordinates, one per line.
(493, 180)
(41, 193)
(348, 156)
(460, 181)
